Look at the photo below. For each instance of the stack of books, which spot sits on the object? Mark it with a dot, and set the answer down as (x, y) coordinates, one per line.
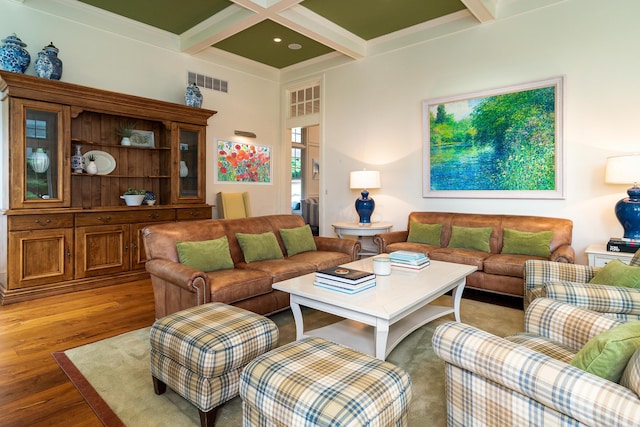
(623, 244)
(346, 280)
(408, 259)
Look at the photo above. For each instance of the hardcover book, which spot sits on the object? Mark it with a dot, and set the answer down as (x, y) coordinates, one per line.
(345, 289)
(617, 247)
(346, 275)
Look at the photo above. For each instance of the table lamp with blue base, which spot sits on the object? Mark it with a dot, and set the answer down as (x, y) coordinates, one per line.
(365, 205)
(626, 170)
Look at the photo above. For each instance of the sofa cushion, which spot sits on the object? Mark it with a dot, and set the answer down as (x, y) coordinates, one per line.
(526, 242)
(460, 256)
(280, 269)
(470, 238)
(297, 240)
(506, 264)
(206, 255)
(617, 273)
(321, 259)
(230, 286)
(607, 354)
(631, 375)
(424, 233)
(258, 247)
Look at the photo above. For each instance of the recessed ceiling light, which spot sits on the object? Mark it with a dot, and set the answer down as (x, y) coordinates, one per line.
(277, 39)
(295, 46)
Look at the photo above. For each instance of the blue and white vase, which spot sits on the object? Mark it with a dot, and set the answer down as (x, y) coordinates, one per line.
(43, 65)
(56, 62)
(193, 97)
(13, 55)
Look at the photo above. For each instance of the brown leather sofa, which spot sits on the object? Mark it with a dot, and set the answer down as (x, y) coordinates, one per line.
(177, 286)
(499, 273)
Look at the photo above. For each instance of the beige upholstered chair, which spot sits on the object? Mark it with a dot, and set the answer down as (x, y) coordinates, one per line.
(233, 205)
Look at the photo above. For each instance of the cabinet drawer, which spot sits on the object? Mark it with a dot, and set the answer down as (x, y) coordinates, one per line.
(38, 222)
(119, 217)
(184, 214)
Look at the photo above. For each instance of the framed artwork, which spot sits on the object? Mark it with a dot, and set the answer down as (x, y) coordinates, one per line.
(501, 143)
(242, 162)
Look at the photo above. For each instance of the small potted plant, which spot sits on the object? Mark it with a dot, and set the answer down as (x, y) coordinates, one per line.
(125, 130)
(92, 168)
(133, 196)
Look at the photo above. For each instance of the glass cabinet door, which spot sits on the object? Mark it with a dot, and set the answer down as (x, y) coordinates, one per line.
(191, 164)
(40, 148)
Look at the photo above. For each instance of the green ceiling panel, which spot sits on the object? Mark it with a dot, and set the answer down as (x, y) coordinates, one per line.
(169, 15)
(257, 43)
(369, 19)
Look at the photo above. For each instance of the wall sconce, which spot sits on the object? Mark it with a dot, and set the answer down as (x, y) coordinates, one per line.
(244, 133)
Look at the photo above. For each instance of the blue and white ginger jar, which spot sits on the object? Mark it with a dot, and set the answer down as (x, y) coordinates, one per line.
(56, 62)
(43, 65)
(13, 55)
(193, 97)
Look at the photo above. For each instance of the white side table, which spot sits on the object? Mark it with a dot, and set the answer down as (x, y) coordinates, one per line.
(355, 229)
(599, 256)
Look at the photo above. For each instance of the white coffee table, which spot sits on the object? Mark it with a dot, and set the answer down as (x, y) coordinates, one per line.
(378, 319)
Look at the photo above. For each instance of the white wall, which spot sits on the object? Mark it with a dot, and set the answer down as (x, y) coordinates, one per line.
(372, 111)
(107, 60)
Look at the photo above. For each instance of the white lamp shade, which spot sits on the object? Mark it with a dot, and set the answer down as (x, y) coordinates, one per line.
(364, 179)
(623, 169)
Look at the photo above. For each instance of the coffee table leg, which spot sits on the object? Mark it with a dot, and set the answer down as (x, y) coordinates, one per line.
(381, 335)
(457, 295)
(297, 316)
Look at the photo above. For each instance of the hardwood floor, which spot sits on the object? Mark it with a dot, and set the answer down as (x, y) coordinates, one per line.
(33, 389)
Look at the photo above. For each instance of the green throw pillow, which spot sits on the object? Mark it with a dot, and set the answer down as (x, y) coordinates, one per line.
(527, 243)
(617, 273)
(424, 233)
(606, 355)
(299, 239)
(206, 255)
(471, 238)
(258, 247)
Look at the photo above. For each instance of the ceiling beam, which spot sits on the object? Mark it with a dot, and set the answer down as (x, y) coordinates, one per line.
(483, 10)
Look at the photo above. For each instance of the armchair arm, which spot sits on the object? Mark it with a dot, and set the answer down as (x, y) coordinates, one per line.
(384, 239)
(182, 276)
(539, 272)
(348, 246)
(564, 323)
(568, 390)
(621, 302)
(564, 253)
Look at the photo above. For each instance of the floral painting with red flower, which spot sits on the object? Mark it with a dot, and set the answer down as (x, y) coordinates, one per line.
(243, 162)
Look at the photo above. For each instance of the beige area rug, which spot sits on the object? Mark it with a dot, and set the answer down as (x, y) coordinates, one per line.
(113, 374)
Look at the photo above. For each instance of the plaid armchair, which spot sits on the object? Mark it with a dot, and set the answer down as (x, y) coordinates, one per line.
(570, 283)
(526, 379)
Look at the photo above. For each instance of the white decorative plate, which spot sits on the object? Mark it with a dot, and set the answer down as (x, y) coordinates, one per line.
(104, 161)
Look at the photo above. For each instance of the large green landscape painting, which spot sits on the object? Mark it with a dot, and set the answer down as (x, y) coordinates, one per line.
(497, 145)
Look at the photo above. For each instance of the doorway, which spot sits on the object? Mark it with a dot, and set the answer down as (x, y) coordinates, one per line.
(305, 174)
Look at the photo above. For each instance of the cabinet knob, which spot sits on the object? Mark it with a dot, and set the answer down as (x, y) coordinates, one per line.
(105, 219)
(194, 213)
(48, 221)
(154, 215)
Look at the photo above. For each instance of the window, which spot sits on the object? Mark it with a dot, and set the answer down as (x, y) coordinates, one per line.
(304, 101)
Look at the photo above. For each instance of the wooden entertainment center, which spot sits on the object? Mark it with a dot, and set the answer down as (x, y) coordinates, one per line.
(64, 230)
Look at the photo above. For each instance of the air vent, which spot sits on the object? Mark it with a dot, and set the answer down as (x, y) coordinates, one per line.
(208, 82)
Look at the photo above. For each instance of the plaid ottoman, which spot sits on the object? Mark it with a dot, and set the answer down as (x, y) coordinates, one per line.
(314, 382)
(199, 352)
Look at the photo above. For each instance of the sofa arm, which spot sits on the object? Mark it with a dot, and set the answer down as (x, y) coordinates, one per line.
(564, 323)
(182, 276)
(564, 253)
(384, 239)
(348, 246)
(568, 390)
(620, 302)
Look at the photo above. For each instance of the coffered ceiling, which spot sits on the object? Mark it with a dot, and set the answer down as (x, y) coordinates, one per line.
(307, 31)
(306, 28)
